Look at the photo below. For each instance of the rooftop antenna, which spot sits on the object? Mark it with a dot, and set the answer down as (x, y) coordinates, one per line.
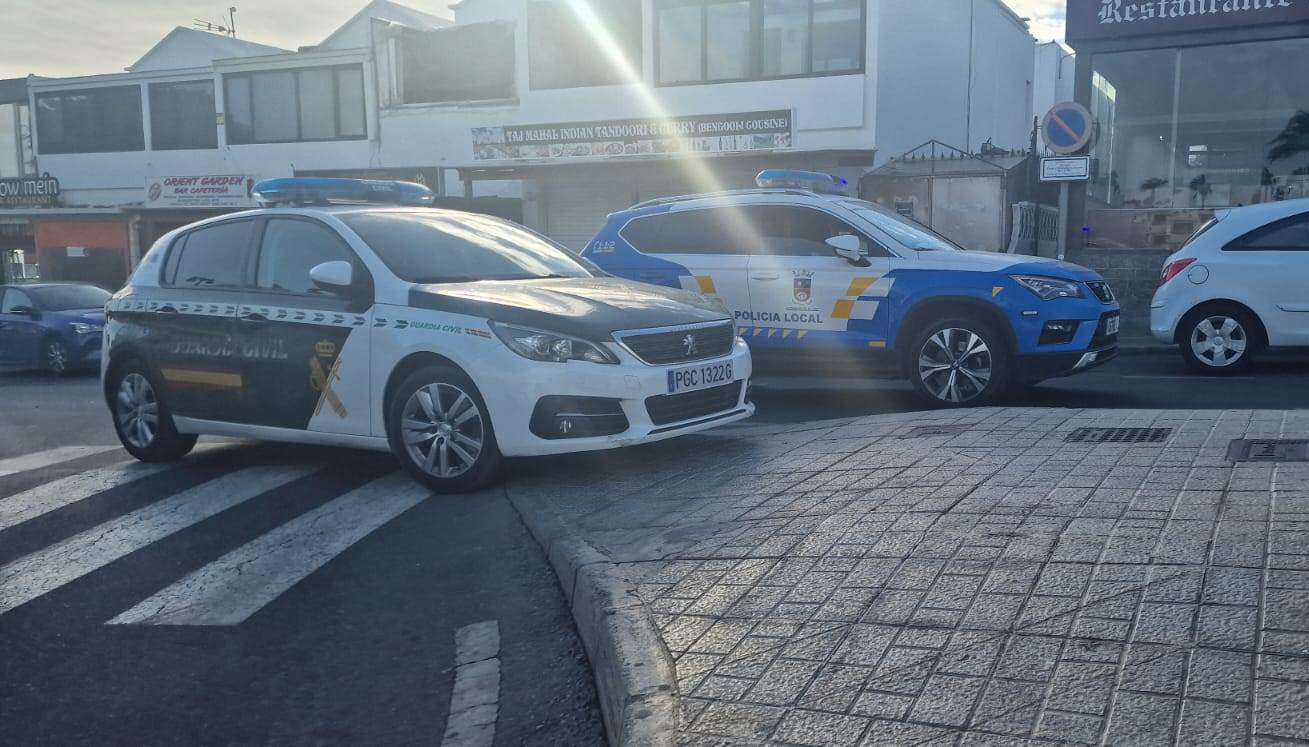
(229, 29)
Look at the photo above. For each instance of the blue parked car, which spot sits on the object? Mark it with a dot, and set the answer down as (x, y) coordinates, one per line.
(55, 326)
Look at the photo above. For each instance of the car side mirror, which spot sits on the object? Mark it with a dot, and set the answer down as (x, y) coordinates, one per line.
(850, 248)
(336, 276)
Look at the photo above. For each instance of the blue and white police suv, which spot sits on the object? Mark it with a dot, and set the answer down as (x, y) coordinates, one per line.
(807, 270)
(451, 339)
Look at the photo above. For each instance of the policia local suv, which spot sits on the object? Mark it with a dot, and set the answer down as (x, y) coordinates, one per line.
(811, 273)
(451, 339)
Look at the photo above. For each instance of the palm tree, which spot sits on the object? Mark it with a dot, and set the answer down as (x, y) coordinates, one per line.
(1152, 184)
(1200, 186)
(1292, 140)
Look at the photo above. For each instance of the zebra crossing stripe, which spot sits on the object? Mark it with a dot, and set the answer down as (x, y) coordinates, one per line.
(237, 585)
(43, 571)
(40, 459)
(43, 499)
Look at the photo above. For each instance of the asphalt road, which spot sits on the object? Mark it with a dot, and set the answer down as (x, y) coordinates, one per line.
(1150, 380)
(357, 647)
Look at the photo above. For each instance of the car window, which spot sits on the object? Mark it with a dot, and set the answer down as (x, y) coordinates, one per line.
(291, 248)
(793, 231)
(720, 230)
(67, 297)
(1289, 234)
(211, 257)
(436, 246)
(910, 233)
(13, 298)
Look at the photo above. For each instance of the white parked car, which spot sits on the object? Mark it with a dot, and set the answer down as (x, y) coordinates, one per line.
(1236, 287)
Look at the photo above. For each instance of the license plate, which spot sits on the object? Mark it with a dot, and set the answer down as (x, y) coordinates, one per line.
(699, 377)
(1111, 325)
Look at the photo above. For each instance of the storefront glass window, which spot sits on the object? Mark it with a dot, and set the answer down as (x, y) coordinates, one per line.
(786, 37)
(1184, 131)
(716, 41)
(295, 105)
(91, 120)
(728, 48)
(182, 115)
(569, 48)
(838, 36)
(680, 37)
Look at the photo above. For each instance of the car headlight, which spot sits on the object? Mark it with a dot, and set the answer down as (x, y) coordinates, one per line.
(539, 345)
(82, 328)
(1048, 289)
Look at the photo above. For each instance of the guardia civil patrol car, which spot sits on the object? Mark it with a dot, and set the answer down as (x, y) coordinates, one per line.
(451, 339)
(806, 269)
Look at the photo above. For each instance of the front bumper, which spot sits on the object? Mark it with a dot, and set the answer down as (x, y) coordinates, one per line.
(1034, 367)
(515, 386)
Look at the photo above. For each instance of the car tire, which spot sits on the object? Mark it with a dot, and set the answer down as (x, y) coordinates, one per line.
(1219, 340)
(440, 429)
(141, 417)
(55, 356)
(957, 362)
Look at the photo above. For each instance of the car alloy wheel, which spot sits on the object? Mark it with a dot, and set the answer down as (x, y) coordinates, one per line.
(955, 365)
(56, 357)
(1219, 341)
(137, 410)
(443, 430)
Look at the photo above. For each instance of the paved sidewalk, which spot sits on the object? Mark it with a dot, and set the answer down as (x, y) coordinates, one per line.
(966, 577)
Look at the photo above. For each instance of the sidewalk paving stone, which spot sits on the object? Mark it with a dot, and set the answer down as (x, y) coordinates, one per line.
(856, 582)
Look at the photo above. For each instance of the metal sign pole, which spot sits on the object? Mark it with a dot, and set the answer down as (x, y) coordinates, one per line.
(1063, 219)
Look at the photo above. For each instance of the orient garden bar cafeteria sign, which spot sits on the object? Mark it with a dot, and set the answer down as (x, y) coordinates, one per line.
(200, 191)
(1107, 19)
(712, 133)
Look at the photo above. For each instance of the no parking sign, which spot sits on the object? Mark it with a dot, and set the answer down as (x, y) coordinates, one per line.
(1067, 128)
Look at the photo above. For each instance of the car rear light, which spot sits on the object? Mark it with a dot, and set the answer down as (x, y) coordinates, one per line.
(1174, 268)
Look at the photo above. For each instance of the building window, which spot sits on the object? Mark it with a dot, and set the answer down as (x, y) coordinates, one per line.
(434, 65)
(91, 120)
(715, 41)
(1185, 131)
(15, 142)
(569, 50)
(182, 115)
(306, 105)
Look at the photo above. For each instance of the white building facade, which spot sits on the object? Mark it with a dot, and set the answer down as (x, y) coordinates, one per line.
(565, 110)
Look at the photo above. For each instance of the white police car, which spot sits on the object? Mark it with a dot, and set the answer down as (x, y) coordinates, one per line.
(806, 269)
(449, 338)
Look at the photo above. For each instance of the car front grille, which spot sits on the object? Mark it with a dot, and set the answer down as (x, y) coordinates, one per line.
(1102, 291)
(1102, 338)
(674, 408)
(681, 345)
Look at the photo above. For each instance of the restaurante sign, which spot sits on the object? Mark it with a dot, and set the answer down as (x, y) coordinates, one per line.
(1100, 19)
(713, 133)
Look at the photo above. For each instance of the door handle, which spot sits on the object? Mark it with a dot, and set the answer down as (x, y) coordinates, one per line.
(167, 310)
(255, 319)
(765, 277)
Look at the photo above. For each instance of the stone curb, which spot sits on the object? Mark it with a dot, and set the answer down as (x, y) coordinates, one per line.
(633, 671)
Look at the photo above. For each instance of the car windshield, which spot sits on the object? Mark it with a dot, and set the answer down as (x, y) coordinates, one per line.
(67, 297)
(908, 232)
(437, 246)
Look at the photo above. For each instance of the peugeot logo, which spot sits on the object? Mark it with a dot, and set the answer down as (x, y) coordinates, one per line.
(689, 345)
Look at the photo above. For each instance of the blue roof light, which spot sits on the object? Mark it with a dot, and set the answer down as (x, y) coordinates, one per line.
(811, 180)
(327, 191)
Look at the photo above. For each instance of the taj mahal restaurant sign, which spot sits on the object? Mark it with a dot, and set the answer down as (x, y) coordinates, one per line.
(1090, 20)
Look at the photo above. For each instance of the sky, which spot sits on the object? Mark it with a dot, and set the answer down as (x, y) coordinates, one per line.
(81, 37)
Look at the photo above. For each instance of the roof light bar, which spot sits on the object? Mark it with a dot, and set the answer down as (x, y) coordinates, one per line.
(328, 191)
(811, 180)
